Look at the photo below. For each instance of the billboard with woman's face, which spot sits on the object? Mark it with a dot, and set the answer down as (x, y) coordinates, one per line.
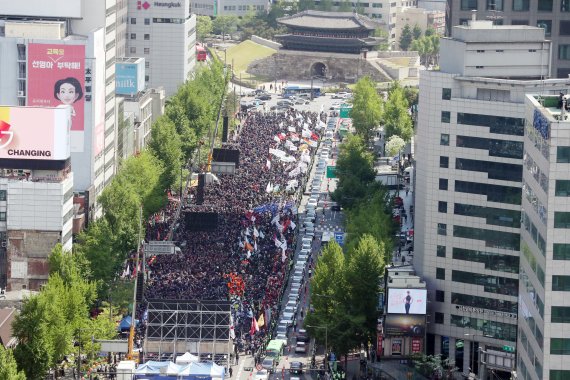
(56, 76)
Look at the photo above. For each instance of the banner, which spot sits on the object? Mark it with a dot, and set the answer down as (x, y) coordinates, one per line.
(56, 76)
(416, 345)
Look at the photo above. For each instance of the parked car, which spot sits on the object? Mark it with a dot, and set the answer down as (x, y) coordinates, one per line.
(300, 348)
(296, 368)
(262, 375)
(269, 364)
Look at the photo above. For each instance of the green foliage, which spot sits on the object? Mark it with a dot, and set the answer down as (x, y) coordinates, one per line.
(345, 6)
(428, 49)
(326, 5)
(416, 32)
(355, 172)
(394, 145)
(367, 108)
(224, 24)
(8, 366)
(306, 5)
(166, 145)
(397, 120)
(434, 366)
(204, 27)
(383, 34)
(430, 31)
(406, 38)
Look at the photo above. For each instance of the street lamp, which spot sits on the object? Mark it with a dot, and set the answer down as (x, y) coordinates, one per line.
(472, 351)
(326, 336)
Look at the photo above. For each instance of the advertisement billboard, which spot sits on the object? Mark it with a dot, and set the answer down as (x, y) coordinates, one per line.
(129, 77)
(407, 301)
(34, 133)
(404, 325)
(56, 76)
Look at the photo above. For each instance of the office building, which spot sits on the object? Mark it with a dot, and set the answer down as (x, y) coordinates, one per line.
(544, 306)
(469, 172)
(164, 34)
(552, 15)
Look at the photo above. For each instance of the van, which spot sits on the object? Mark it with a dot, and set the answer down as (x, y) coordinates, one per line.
(285, 103)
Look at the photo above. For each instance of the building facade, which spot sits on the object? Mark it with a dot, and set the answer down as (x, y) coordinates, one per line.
(552, 15)
(469, 172)
(229, 7)
(423, 18)
(543, 303)
(164, 34)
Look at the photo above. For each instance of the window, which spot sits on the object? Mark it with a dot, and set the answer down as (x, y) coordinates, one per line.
(494, 193)
(3, 195)
(2, 216)
(545, 5)
(441, 251)
(133, 50)
(147, 64)
(559, 346)
(440, 273)
(560, 283)
(521, 5)
(445, 116)
(494, 170)
(559, 374)
(498, 330)
(495, 147)
(560, 314)
(564, 28)
(519, 22)
(497, 124)
(490, 283)
(547, 26)
(438, 318)
(564, 5)
(563, 154)
(443, 162)
(133, 21)
(492, 215)
(442, 207)
(444, 139)
(147, 21)
(133, 36)
(439, 296)
(468, 5)
(564, 51)
(562, 188)
(443, 184)
(446, 93)
(561, 251)
(442, 229)
(147, 50)
(494, 5)
(561, 219)
(484, 302)
(492, 261)
(146, 36)
(492, 238)
(146, 78)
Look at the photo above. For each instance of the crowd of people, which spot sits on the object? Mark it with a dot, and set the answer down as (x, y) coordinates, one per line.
(255, 233)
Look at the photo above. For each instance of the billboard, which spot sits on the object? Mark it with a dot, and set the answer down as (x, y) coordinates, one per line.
(34, 133)
(43, 8)
(56, 76)
(129, 77)
(407, 301)
(404, 325)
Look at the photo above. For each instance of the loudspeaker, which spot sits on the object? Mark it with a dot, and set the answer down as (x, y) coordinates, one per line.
(140, 286)
(225, 129)
(200, 190)
(226, 155)
(201, 221)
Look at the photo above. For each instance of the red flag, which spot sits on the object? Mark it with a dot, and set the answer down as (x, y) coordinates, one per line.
(254, 326)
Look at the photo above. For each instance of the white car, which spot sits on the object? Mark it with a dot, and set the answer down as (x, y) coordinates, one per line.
(262, 375)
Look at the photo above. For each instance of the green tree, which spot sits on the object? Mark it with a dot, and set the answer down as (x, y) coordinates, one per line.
(67, 264)
(326, 5)
(367, 107)
(430, 31)
(165, 144)
(306, 5)
(224, 24)
(397, 120)
(362, 275)
(383, 35)
(416, 32)
(8, 366)
(345, 6)
(204, 27)
(355, 172)
(406, 37)
(394, 145)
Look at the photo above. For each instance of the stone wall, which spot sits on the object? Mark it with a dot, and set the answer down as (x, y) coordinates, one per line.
(297, 66)
(266, 43)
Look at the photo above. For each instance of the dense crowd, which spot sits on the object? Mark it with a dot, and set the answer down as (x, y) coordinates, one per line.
(255, 235)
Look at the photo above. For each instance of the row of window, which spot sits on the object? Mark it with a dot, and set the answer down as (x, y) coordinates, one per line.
(529, 289)
(133, 50)
(483, 302)
(517, 5)
(493, 216)
(496, 148)
(492, 238)
(146, 36)
(539, 176)
(534, 361)
(497, 124)
(494, 193)
(498, 330)
(531, 228)
(492, 261)
(494, 170)
(533, 263)
(491, 283)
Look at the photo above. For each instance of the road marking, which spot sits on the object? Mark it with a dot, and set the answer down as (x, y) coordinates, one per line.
(240, 369)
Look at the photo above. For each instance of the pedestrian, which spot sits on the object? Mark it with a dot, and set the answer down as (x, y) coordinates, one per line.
(231, 371)
(403, 259)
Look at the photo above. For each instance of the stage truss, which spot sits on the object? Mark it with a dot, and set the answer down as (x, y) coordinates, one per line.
(199, 327)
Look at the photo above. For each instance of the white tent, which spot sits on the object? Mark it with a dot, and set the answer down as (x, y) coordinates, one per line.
(187, 358)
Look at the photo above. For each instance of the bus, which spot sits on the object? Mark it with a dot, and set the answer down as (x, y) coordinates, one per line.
(275, 349)
(201, 53)
(289, 91)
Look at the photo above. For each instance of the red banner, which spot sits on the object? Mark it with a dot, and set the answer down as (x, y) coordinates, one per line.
(416, 345)
(379, 346)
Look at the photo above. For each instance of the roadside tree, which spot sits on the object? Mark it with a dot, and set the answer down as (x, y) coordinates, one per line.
(367, 109)
(394, 145)
(204, 27)
(397, 120)
(406, 37)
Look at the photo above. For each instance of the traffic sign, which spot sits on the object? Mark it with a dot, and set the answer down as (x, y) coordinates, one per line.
(339, 237)
(509, 348)
(331, 171)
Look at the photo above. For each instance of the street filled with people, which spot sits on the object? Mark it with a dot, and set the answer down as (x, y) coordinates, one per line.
(245, 259)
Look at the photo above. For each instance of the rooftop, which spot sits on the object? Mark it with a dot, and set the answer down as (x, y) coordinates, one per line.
(328, 20)
(484, 31)
(552, 105)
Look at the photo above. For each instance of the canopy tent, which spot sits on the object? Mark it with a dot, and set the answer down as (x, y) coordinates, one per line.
(168, 370)
(125, 323)
(187, 358)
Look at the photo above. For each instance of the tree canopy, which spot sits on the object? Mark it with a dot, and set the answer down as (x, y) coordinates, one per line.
(367, 109)
(406, 37)
(204, 27)
(397, 119)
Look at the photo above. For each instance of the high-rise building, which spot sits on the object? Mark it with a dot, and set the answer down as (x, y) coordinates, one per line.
(469, 172)
(544, 306)
(551, 15)
(164, 34)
